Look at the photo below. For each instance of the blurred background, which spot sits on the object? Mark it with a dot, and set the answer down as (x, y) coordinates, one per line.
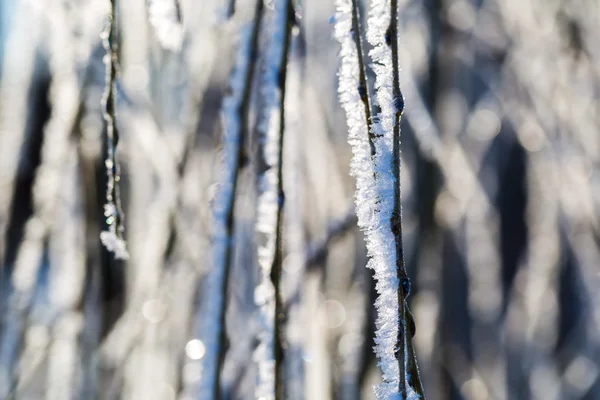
(500, 184)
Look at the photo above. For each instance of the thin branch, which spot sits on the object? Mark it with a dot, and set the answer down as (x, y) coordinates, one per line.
(276, 269)
(112, 238)
(406, 328)
(270, 128)
(396, 220)
(235, 117)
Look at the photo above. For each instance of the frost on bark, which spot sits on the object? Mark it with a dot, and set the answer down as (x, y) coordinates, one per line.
(376, 168)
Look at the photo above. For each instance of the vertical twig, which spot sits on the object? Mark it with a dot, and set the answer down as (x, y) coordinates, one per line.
(379, 174)
(235, 119)
(270, 127)
(112, 238)
(277, 270)
(166, 20)
(391, 37)
(350, 38)
(406, 329)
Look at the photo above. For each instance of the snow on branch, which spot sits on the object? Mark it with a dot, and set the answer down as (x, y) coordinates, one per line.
(376, 168)
(270, 128)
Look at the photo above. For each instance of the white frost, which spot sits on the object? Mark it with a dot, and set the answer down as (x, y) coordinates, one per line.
(375, 181)
(268, 194)
(164, 18)
(112, 239)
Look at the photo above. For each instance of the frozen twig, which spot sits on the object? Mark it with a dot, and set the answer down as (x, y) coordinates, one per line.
(378, 196)
(234, 118)
(18, 72)
(270, 129)
(112, 238)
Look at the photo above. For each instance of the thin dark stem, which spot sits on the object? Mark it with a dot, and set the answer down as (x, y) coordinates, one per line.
(178, 11)
(243, 113)
(406, 327)
(230, 8)
(111, 106)
(113, 211)
(363, 88)
(365, 97)
(276, 269)
(414, 378)
(396, 221)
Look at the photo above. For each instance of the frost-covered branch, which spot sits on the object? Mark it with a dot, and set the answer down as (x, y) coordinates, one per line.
(113, 238)
(270, 129)
(382, 34)
(376, 167)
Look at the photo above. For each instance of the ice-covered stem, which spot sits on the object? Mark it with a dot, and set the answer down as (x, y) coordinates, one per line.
(374, 200)
(270, 129)
(383, 36)
(406, 329)
(234, 116)
(391, 37)
(112, 238)
(376, 167)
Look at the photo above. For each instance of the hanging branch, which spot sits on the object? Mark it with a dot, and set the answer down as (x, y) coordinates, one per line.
(383, 35)
(369, 199)
(270, 127)
(235, 119)
(391, 37)
(376, 167)
(112, 238)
